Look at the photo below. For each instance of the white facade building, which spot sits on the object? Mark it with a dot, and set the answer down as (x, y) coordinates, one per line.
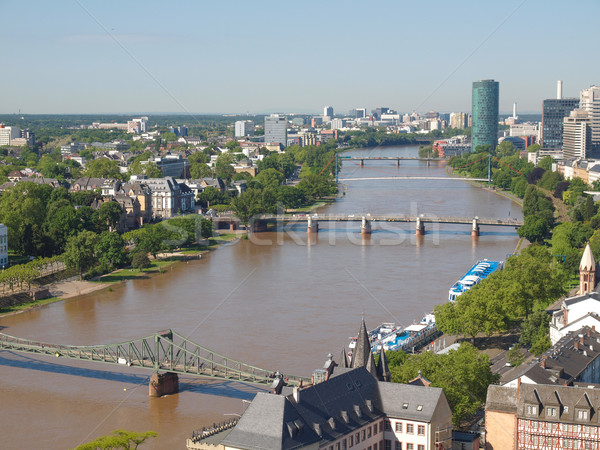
(3, 246)
(7, 134)
(244, 128)
(589, 100)
(576, 135)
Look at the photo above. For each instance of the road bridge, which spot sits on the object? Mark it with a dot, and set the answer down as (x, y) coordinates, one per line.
(312, 221)
(165, 351)
(413, 178)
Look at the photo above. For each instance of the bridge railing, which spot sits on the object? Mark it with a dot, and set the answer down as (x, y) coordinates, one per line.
(167, 350)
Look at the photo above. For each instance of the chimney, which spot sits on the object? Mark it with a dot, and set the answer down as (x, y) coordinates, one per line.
(594, 328)
(581, 339)
(576, 345)
(559, 90)
(543, 363)
(296, 394)
(589, 332)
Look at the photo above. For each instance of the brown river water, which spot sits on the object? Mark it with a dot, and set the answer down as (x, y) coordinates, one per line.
(282, 306)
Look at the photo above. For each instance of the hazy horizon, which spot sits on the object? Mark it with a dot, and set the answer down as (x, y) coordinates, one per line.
(236, 57)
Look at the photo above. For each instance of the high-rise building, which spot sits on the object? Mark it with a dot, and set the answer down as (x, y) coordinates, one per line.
(244, 128)
(577, 135)
(377, 112)
(486, 96)
(589, 100)
(554, 111)
(358, 113)
(276, 129)
(338, 124)
(328, 111)
(7, 134)
(458, 120)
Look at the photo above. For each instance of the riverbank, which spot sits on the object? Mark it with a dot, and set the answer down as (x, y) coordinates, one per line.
(74, 287)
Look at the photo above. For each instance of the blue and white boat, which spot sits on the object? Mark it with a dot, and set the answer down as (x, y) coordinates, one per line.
(476, 274)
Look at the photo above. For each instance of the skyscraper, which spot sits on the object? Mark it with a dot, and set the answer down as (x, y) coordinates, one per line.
(276, 129)
(589, 100)
(244, 128)
(576, 135)
(328, 111)
(486, 95)
(554, 111)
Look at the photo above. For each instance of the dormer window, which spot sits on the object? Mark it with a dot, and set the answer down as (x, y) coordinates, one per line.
(582, 414)
(551, 411)
(531, 410)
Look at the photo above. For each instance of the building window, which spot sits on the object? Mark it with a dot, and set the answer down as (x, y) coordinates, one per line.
(551, 412)
(357, 437)
(582, 414)
(375, 446)
(388, 444)
(410, 428)
(381, 427)
(363, 435)
(531, 410)
(410, 447)
(399, 427)
(398, 445)
(351, 441)
(344, 444)
(337, 446)
(388, 425)
(421, 430)
(369, 432)
(420, 447)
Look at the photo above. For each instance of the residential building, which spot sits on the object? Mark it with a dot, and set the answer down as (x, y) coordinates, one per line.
(3, 246)
(8, 134)
(90, 184)
(458, 120)
(73, 147)
(328, 113)
(338, 124)
(138, 126)
(589, 100)
(573, 359)
(171, 165)
(486, 95)
(276, 129)
(577, 135)
(169, 198)
(244, 128)
(542, 417)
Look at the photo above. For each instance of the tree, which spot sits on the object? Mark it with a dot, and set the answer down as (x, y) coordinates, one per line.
(223, 167)
(109, 213)
(270, 178)
(464, 374)
(535, 229)
(103, 168)
(546, 162)
(211, 196)
(139, 260)
(118, 439)
(79, 252)
(110, 249)
(534, 332)
(254, 202)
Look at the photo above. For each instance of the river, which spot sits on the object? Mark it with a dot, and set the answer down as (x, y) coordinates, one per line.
(282, 306)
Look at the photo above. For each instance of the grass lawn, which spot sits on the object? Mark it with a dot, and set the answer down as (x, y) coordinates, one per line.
(23, 306)
(156, 266)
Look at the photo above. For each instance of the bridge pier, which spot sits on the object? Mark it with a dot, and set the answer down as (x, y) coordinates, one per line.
(163, 384)
(365, 227)
(397, 163)
(428, 163)
(475, 228)
(420, 228)
(312, 226)
(362, 163)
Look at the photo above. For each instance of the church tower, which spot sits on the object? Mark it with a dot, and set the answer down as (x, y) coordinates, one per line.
(362, 355)
(587, 272)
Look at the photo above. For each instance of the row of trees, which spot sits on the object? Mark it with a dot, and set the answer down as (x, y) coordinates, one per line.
(528, 283)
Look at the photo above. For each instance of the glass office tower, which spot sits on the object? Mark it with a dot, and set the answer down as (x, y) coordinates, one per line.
(486, 94)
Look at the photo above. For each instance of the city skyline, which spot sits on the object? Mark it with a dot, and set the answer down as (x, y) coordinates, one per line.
(84, 57)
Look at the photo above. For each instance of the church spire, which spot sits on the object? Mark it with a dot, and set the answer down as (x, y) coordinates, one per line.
(587, 271)
(383, 370)
(344, 359)
(362, 355)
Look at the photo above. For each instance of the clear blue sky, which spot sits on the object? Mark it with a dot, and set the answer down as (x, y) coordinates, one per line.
(290, 56)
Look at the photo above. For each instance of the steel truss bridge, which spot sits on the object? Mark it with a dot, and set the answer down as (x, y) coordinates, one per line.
(163, 351)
